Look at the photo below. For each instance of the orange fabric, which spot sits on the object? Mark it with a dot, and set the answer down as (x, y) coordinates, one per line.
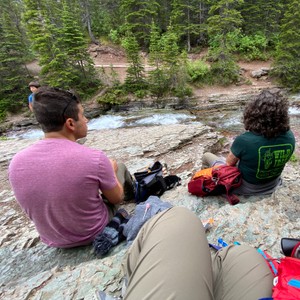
(204, 172)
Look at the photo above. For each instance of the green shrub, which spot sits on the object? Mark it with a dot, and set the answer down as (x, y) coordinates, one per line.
(183, 92)
(198, 71)
(114, 36)
(114, 96)
(286, 71)
(249, 47)
(141, 94)
(224, 70)
(3, 112)
(132, 86)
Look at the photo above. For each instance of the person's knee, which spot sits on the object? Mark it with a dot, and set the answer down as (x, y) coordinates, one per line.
(180, 219)
(181, 213)
(207, 159)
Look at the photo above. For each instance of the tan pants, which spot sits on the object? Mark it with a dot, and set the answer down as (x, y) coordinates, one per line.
(209, 160)
(170, 259)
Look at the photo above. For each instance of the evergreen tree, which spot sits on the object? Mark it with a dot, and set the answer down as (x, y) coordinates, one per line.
(224, 19)
(174, 63)
(135, 79)
(40, 30)
(170, 71)
(262, 17)
(185, 20)
(101, 17)
(13, 75)
(138, 16)
(73, 51)
(158, 80)
(287, 62)
(163, 15)
(57, 38)
(155, 47)
(86, 12)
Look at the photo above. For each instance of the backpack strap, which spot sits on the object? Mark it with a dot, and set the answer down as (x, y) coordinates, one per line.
(271, 262)
(296, 251)
(288, 245)
(232, 199)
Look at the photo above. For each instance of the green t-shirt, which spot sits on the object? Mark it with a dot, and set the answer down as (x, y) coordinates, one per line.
(261, 159)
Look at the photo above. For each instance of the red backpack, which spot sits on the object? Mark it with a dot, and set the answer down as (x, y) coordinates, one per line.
(223, 180)
(288, 281)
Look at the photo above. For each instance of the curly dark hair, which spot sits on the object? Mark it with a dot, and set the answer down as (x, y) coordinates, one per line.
(267, 114)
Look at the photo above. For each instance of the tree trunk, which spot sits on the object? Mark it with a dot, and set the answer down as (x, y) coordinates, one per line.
(93, 39)
(89, 22)
(188, 32)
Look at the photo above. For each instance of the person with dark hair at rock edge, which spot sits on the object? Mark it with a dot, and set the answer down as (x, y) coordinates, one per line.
(170, 259)
(33, 86)
(263, 150)
(68, 190)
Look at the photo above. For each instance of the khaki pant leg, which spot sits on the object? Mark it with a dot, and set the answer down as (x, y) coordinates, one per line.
(126, 181)
(170, 259)
(210, 159)
(121, 173)
(241, 273)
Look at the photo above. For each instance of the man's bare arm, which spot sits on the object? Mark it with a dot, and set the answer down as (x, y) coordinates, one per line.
(114, 195)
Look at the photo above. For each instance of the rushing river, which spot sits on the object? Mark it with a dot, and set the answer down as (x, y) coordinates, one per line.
(228, 121)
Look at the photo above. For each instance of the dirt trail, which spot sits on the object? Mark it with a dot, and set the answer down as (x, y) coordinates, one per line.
(110, 57)
(119, 62)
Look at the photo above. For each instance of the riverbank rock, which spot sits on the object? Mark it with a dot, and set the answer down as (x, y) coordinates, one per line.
(31, 270)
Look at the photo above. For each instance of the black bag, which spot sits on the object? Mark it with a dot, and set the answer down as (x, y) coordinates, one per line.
(290, 247)
(150, 183)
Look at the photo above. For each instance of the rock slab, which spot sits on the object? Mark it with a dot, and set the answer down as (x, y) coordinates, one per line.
(31, 270)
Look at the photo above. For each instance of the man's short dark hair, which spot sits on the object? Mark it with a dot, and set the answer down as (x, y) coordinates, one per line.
(52, 106)
(268, 113)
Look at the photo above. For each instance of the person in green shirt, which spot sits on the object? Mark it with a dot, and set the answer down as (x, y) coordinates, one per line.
(263, 150)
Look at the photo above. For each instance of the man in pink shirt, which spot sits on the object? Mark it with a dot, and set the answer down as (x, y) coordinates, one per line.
(60, 184)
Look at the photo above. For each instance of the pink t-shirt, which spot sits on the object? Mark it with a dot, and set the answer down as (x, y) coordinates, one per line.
(57, 183)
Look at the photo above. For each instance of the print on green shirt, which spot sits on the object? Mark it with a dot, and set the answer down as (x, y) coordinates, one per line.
(271, 160)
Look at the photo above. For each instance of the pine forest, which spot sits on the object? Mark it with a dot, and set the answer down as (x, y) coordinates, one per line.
(57, 34)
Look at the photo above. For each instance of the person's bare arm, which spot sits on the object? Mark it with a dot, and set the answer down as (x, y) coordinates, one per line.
(231, 160)
(116, 194)
(114, 165)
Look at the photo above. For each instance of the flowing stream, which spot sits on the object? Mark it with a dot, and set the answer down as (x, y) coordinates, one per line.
(225, 121)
